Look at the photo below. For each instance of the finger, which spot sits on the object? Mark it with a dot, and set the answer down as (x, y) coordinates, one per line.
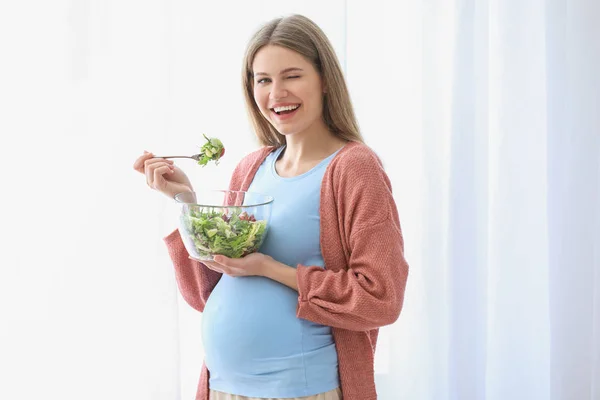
(138, 165)
(203, 262)
(209, 265)
(218, 267)
(226, 269)
(158, 180)
(214, 266)
(149, 167)
(236, 272)
(221, 259)
(139, 162)
(153, 160)
(143, 161)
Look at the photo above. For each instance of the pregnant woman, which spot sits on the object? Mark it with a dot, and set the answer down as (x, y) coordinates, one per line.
(299, 319)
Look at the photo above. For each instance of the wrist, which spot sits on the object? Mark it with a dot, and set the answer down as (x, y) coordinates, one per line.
(270, 266)
(280, 272)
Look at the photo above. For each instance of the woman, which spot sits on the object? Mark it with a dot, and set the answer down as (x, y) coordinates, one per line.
(299, 319)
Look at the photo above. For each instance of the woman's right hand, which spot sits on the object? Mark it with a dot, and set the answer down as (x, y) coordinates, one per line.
(162, 175)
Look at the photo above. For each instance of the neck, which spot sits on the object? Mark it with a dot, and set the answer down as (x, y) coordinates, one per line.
(309, 146)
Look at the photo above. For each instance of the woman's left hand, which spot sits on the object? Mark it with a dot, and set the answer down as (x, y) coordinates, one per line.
(254, 264)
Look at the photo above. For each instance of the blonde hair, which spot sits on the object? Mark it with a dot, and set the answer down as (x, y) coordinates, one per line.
(300, 34)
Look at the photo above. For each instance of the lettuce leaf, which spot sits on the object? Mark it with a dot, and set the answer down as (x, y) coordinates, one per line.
(234, 236)
(212, 150)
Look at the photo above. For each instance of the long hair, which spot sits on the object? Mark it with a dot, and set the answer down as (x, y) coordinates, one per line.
(300, 34)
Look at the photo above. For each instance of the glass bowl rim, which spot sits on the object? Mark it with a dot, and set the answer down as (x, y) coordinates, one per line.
(269, 200)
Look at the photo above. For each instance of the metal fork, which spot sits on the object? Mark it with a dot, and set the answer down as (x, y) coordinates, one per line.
(195, 157)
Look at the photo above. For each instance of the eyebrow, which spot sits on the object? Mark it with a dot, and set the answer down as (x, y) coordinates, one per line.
(281, 72)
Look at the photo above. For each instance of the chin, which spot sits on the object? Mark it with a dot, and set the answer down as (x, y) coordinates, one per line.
(284, 130)
(288, 132)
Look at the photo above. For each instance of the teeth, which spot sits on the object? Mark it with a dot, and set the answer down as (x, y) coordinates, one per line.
(286, 108)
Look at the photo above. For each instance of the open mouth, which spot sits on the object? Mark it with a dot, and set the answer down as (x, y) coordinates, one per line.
(286, 110)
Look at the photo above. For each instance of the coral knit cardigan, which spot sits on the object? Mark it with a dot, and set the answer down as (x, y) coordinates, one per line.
(362, 285)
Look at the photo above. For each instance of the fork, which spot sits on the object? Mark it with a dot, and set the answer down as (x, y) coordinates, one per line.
(195, 157)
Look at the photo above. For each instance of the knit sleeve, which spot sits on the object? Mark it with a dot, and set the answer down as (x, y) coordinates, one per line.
(367, 291)
(194, 279)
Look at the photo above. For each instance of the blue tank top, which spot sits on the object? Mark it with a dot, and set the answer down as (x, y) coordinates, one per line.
(254, 344)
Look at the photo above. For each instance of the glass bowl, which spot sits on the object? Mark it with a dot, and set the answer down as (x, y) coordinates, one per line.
(227, 222)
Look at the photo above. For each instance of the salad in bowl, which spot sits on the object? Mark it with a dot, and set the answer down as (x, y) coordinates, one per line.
(226, 222)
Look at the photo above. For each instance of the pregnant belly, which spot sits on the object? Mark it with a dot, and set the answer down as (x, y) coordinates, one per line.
(249, 326)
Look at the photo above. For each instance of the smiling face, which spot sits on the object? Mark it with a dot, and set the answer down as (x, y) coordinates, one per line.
(287, 90)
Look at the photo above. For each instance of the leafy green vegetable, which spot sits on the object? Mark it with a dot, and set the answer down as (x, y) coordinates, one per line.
(234, 235)
(212, 150)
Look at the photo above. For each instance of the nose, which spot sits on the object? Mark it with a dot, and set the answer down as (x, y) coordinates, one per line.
(278, 91)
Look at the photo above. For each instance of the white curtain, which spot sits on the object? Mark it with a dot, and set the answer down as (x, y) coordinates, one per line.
(494, 108)
(484, 112)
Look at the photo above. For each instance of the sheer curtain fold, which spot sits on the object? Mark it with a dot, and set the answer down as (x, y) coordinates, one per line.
(506, 272)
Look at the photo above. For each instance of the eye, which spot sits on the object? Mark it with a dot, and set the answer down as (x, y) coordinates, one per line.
(293, 77)
(263, 80)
